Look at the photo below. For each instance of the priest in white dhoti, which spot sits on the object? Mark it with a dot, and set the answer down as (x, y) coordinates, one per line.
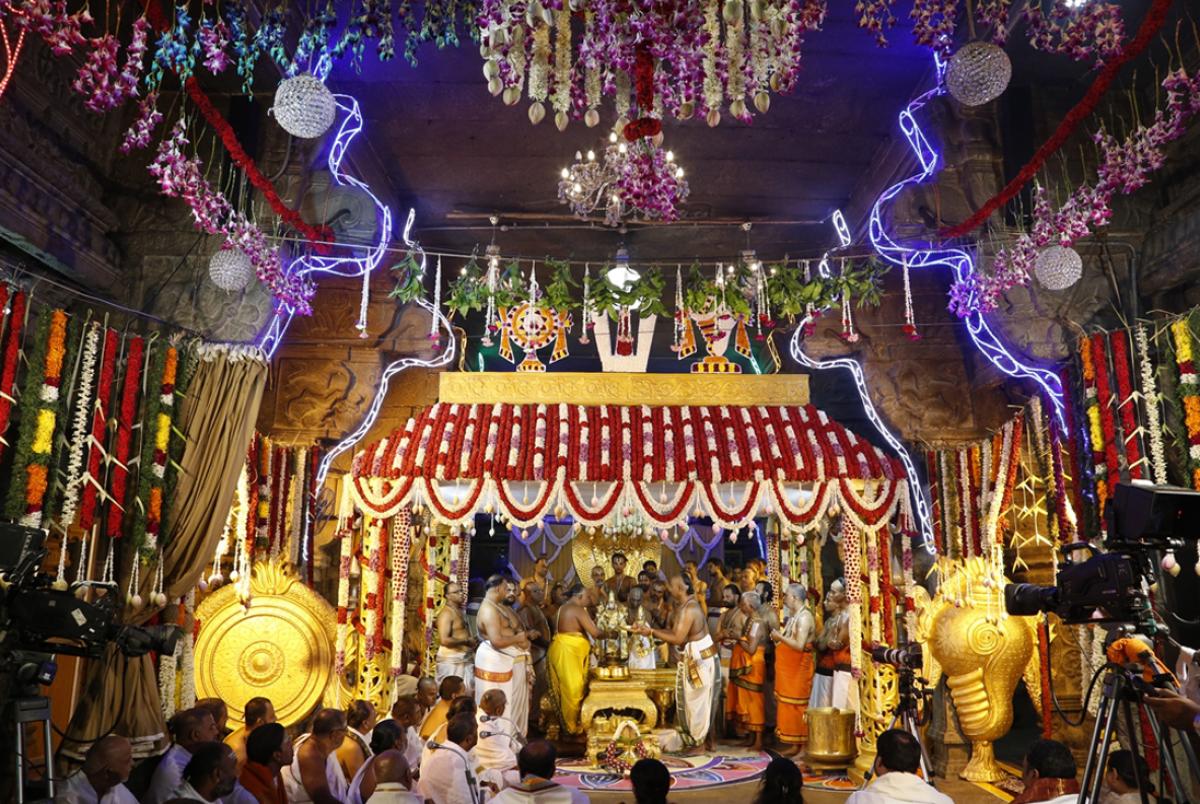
(502, 659)
(315, 772)
(833, 683)
(699, 673)
(456, 646)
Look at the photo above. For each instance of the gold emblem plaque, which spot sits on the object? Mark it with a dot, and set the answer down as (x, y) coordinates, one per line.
(280, 647)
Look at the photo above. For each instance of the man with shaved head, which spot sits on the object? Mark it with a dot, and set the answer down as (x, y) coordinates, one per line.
(456, 646)
(106, 767)
(190, 728)
(315, 774)
(393, 776)
(537, 786)
(498, 743)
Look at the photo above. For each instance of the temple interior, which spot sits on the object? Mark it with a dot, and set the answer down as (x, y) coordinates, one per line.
(536, 401)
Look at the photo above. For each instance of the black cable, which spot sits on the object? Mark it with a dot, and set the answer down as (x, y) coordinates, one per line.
(1086, 700)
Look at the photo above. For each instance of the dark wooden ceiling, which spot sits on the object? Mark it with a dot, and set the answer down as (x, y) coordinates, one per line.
(460, 155)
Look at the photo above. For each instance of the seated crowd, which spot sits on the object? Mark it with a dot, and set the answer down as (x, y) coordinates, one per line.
(469, 758)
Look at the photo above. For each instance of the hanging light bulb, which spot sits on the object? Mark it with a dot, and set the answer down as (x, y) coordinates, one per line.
(978, 72)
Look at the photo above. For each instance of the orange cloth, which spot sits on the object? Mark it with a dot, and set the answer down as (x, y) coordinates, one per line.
(259, 782)
(793, 685)
(435, 719)
(744, 700)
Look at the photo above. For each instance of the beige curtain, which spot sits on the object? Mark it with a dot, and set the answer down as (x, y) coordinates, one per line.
(217, 419)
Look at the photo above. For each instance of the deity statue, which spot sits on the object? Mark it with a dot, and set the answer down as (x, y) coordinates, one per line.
(612, 648)
(641, 647)
(983, 653)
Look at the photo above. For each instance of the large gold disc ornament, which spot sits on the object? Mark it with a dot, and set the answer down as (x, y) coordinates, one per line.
(281, 646)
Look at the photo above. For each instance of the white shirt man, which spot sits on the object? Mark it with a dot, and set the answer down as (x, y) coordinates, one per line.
(447, 776)
(191, 727)
(537, 786)
(393, 793)
(106, 766)
(896, 780)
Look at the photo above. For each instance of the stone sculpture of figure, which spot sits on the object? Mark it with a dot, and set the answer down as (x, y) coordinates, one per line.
(833, 684)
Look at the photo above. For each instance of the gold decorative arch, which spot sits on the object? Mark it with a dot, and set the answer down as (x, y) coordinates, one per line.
(592, 547)
(281, 646)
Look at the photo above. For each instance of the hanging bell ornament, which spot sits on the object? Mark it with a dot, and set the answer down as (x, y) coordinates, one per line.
(1170, 565)
(686, 110)
(591, 118)
(135, 601)
(561, 120)
(59, 585)
(235, 576)
(713, 118)
(762, 101)
(491, 69)
(160, 599)
(510, 96)
(537, 112)
(738, 108)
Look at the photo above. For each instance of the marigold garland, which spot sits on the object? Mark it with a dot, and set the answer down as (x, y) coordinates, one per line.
(156, 437)
(1189, 394)
(38, 414)
(1095, 430)
(15, 323)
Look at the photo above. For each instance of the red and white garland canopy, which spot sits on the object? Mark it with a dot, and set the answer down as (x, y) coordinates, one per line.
(627, 466)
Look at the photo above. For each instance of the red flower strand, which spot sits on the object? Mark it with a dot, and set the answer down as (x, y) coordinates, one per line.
(12, 356)
(1153, 20)
(1108, 420)
(96, 447)
(119, 476)
(1125, 404)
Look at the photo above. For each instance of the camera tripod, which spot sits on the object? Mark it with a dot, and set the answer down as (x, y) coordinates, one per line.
(907, 716)
(1122, 692)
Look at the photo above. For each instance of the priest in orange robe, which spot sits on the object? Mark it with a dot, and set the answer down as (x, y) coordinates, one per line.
(794, 665)
(745, 706)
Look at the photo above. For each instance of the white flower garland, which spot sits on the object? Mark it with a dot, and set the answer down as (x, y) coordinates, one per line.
(713, 91)
(187, 696)
(1158, 458)
(964, 485)
(562, 63)
(539, 67)
(402, 534)
(80, 431)
(1007, 451)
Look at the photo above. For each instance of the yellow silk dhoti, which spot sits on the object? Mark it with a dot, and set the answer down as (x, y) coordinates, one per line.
(744, 702)
(793, 685)
(568, 667)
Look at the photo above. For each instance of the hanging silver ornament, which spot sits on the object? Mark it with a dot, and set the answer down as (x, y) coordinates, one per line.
(304, 106)
(1058, 267)
(978, 72)
(230, 269)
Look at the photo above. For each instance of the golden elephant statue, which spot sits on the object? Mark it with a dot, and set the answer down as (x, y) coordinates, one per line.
(983, 653)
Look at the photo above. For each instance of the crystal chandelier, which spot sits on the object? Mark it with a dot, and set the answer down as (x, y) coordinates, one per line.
(614, 181)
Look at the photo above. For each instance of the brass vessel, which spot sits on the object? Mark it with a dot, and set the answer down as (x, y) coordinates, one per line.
(831, 742)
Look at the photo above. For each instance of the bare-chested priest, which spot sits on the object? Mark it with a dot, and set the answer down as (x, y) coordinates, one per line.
(569, 655)
(502, 658)
(699, 666)
(619, 582)
(456, 646)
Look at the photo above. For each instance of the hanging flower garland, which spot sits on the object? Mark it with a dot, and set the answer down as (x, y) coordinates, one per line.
(1099, 471)
(875, 609)
(401, 547)
(345, 536)
(1149, 382)
(156, 435)
(123, 438)
(1124, 166)
(371, 577)
(15, 320)
(77, 440)
(39, 419)
(1108, 421)
(932, 471)
(1127, 403)
(1189, 394)
(92, 482)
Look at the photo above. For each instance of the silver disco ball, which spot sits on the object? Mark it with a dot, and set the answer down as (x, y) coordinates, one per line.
(304, 106)
(978, 72)
(1058, 267)
(230, 269)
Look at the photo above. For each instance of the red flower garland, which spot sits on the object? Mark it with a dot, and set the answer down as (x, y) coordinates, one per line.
(1107, 419)
(1125, 403)
(643, 82)
(87, 505)
(119, 477)
(935, 483)
(1153, 20)
(251, 512)
(12, 356)
(321, 236)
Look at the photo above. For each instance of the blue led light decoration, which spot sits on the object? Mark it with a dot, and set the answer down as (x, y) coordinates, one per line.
(310, 265)
(959, 260)
(442, 358)
(920, 505)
